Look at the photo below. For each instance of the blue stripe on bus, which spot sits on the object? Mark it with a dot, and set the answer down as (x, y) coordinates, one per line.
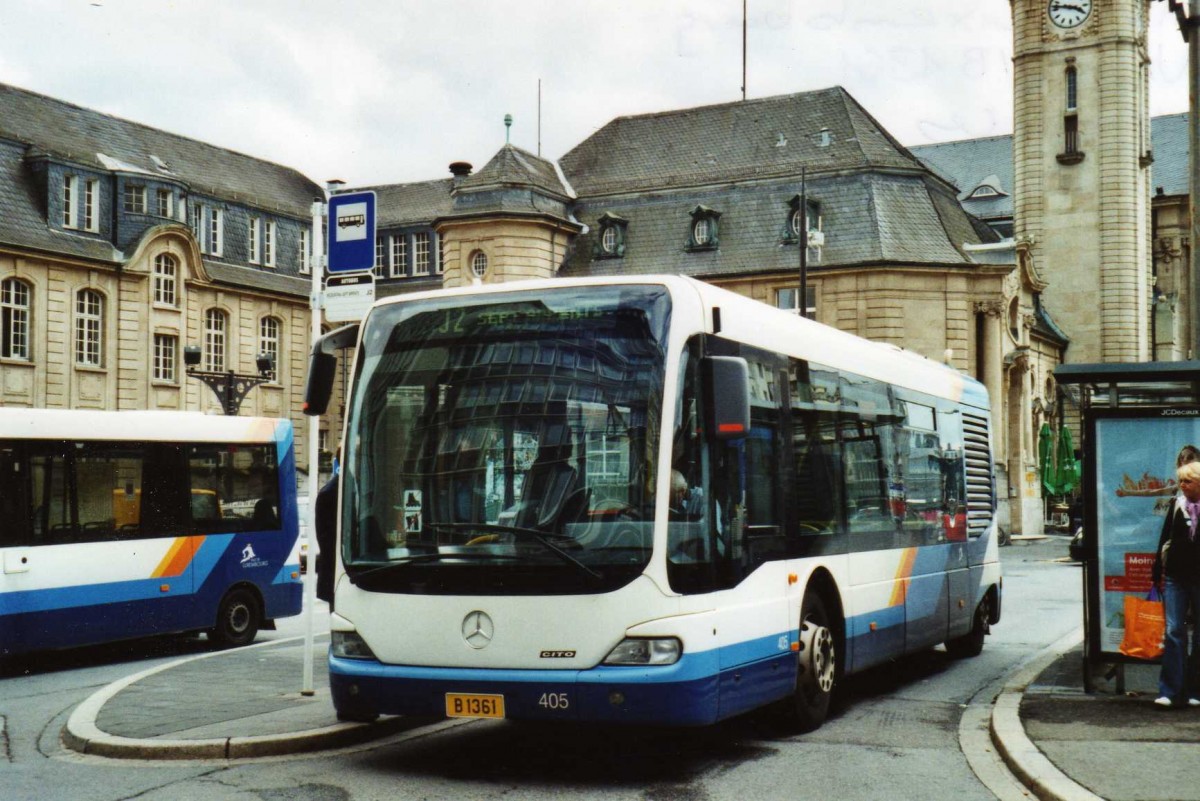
(26, 601)
(284, 576)
(209, 555)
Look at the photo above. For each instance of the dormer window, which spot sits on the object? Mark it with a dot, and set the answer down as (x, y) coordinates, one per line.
(165, 202)
(610, 244)
(135, 199)
(985, 191)
(705, 231)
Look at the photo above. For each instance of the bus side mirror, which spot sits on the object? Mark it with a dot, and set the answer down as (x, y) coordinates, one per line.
(322, 366)
(727, 396)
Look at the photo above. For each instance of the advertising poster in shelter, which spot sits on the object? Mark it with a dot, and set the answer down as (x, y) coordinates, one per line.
(1135, 472)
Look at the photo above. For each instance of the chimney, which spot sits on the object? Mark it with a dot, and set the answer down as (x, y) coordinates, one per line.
(460, 170)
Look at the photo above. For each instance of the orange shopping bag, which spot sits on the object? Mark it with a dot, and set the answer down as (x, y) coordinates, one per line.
(1145, 625)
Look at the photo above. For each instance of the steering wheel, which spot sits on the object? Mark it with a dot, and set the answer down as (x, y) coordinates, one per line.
(617, 511)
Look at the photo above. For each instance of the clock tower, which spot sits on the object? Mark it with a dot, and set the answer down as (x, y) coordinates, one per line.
(1081, 155)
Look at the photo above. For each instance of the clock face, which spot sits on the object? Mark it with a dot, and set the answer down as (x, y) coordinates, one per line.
(1069, 13)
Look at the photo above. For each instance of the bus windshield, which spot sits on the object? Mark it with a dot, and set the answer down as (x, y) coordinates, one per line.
(505, 445)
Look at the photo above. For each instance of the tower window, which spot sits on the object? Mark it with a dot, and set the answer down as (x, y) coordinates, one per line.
(1072, 152)
(1071, 134)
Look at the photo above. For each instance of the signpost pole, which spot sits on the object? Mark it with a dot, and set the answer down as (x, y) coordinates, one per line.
(317, 268)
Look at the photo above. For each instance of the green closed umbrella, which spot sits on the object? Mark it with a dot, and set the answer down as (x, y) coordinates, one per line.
(1046, 460)
(1068, 466)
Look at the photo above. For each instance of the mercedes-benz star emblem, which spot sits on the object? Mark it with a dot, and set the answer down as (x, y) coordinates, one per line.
(477, 629)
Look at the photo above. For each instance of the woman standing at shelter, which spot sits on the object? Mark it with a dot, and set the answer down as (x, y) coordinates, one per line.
(1177, 574)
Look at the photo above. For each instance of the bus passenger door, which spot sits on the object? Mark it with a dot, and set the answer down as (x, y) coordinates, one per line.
(754, 629)
(916, 488)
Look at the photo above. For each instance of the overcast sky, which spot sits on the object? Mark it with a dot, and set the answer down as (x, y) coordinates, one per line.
(383, 91)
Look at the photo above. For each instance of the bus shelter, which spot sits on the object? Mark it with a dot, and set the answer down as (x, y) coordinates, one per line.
(1134, 419)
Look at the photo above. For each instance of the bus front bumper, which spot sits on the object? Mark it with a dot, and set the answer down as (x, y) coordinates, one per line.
(683, 694)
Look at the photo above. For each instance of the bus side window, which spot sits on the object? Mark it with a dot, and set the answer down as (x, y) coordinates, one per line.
(866, 422)
(14, 496)
(233, 488)
(53, 515)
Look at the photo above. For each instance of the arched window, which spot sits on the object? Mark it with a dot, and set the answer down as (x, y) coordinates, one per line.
(15, 300)
(215, 325)
(268, 343)
(166, 280)
(1072, 89)
(89, 328)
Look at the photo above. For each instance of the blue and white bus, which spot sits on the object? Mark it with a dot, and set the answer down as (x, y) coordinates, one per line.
(644, 500)
(116, 525)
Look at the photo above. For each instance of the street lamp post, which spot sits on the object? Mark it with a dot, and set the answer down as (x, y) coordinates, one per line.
(230, 388)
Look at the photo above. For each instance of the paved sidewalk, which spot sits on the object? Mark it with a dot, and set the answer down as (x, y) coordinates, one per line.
(221, 705)
(1113, 745)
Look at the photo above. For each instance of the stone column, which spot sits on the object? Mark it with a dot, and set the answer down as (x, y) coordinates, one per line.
(992, 348)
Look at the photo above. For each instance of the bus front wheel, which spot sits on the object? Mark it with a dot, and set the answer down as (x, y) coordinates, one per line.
(817, 669)
(238, 620)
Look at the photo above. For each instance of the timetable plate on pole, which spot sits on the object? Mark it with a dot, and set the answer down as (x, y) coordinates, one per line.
(348, 297)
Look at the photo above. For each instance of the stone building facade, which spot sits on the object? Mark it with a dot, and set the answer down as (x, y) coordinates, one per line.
(121, 244)
(716, 193)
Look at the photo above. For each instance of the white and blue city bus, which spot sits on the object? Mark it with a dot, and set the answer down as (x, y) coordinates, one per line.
(644, 500)
(117, 525)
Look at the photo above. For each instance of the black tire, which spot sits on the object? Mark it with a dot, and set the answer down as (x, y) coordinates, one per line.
(971, 643)
(357, 717)
(238, 620)
(817, 670)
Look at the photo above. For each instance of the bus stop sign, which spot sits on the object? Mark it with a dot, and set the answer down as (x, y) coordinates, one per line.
(352, 232)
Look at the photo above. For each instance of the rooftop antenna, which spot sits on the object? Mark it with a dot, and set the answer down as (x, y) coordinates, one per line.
(507, 126)
(539, 152)
(743, 50)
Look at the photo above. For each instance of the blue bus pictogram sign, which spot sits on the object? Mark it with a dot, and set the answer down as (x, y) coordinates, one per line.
(352, 232)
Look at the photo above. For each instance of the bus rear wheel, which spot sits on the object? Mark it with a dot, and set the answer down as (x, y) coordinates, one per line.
(238, 620)
(817, 669)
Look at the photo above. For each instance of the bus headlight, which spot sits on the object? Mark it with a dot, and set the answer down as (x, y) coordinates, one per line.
(350, 645)
(658, 651)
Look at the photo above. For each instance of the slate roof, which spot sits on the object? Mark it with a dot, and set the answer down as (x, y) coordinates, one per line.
(879, 204)
(1169, 143)
(80, 135)
(23, 216)
(969, 162)
(512, 166)
(399, 205)
(867, 217)
(760, 139)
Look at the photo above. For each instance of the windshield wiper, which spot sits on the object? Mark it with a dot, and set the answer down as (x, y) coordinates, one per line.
(527, 533)
(405, 561)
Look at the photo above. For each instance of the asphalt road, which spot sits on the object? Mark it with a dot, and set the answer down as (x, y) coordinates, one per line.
(897, 736)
